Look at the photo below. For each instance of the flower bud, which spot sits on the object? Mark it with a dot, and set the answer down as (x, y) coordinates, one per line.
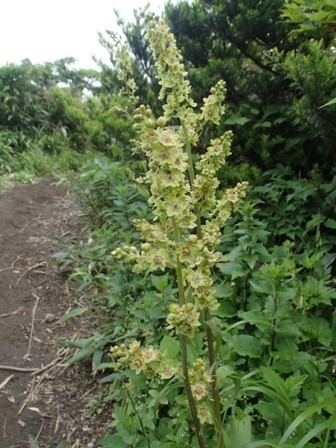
(145, 247)
(161, 122)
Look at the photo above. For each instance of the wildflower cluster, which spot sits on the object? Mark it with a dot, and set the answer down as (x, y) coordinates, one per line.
(180, 199)
(206, 182)
(200, 381)
(141, 359)
(213, 108)
(124, 69)
(128, 253)
(224, 207)
(189, 214)
(184, 319)
(123, 63)
(175, 87)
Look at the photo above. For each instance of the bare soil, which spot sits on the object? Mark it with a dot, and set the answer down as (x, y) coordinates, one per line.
(40, 399)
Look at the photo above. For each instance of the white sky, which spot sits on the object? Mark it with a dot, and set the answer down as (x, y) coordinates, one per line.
(46, 30)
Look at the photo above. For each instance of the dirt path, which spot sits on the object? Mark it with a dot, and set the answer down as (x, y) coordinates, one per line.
(45, 404)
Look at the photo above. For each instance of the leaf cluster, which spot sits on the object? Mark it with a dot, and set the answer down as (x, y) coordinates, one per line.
(274, 328)
(277, 80)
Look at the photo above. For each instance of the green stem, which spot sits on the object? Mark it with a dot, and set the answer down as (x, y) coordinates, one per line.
(188, 146)
(275, 319)
(137, 414)
(191, 174)
(192, 405)
(214, 384)
(210, 338)
(183, 345)
(179, 272)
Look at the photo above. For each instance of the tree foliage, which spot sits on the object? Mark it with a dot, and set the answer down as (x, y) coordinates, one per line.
(277, 78)
(52, 107)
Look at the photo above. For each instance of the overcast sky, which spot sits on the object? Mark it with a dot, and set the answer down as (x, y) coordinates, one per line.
(46, 30)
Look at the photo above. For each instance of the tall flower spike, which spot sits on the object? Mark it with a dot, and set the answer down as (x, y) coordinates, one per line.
(182, 200)
(214, 108)
(172, 75)
(170, 68)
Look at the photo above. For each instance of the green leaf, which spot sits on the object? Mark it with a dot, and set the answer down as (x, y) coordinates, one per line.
(236, 273)
(257, 319)
(72, 313)
(260, 286)
(316, 408)
(165, 445)
(251, 260)
(246, 345)
(155, 312)
(320, 16)
(113, 441)
(267, 444)
(329, 103)
(80, 356)
(171, 346)
(319, 328)
(123, 418)
(330, 223)
(64, 132)
(215, 326)
(270, 412)
(287, 327)
(223, 290)
(229, 268)
(223, 372)
(236, 119)
(62, 444)
(294, 383)
(334, 330)
(239, 432)
(274, 380)
(263, 124)
(97, 357)
(160, 281)
(284, 403)
(316, 430)
(32, 443)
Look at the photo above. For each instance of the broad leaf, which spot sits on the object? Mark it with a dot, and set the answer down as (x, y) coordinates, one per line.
(171, 346)
(246, 345)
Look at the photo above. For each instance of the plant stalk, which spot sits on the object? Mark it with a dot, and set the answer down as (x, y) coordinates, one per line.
(210, 338)
(191, 175)
(192, 405)
(179, 272)
(275, 319)
(183, 345)
(140, 421)
(214, 384)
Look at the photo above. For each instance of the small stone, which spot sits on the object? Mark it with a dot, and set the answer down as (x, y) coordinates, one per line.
(90, 445)
(50, 317)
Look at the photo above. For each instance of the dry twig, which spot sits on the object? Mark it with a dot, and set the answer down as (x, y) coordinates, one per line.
(13, 313)
(60, 358)
(7, 380)
(19, 369)
(34, 387)
(39, 433)
(37, 265)
(26, 356)
(12, 265)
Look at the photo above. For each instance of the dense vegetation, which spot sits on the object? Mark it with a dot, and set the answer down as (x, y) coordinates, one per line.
(247, 357)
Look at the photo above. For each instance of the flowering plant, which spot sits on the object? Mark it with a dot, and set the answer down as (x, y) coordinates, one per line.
(189, 214)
